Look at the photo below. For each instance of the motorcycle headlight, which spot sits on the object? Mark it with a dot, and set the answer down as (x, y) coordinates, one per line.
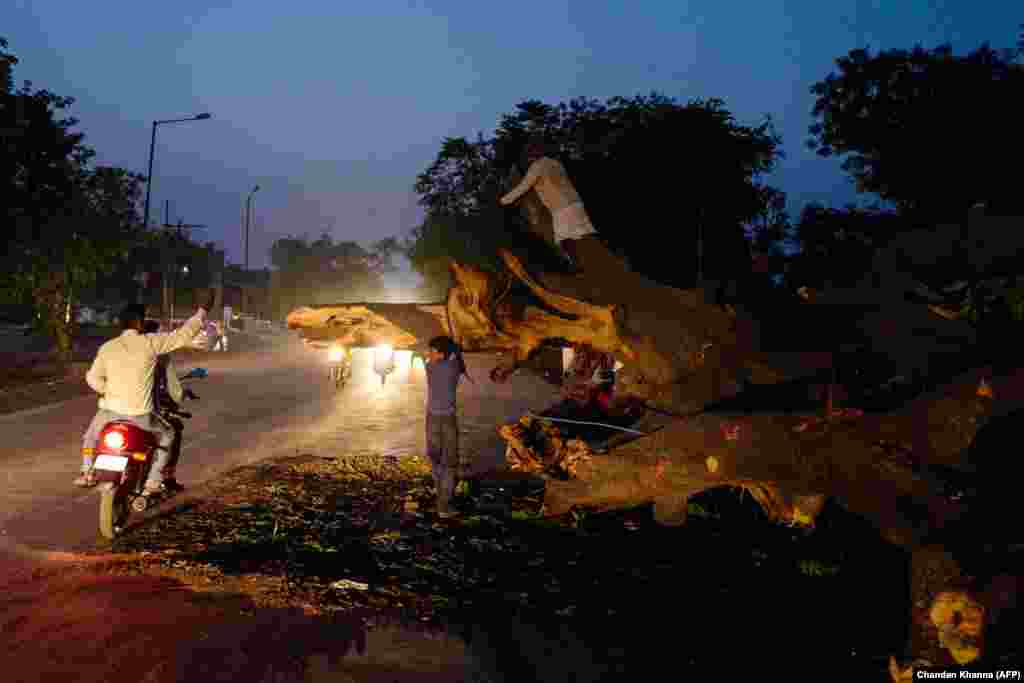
(335, 354)
(384, 352)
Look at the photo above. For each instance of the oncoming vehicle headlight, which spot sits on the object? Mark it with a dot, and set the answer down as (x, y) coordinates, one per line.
(335, 354)
(384, 353)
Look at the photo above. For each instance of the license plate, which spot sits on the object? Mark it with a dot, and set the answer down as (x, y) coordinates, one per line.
(111, 463)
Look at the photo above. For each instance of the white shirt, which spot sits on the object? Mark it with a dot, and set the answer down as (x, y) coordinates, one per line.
(548, 177)
(124, 369)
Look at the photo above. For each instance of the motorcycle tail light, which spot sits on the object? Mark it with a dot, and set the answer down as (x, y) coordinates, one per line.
(121, 437)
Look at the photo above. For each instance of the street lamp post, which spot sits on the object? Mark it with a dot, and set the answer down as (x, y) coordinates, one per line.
(149, 176)
(248, 216)
(184, 271)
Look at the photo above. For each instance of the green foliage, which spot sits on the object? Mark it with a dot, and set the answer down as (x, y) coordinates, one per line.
(837, 245)
(1015, 302)
(921, 127)
(324, 271)
(617, 152)
(817, 568)
(772, 238)
(700, 511)
(68, 221)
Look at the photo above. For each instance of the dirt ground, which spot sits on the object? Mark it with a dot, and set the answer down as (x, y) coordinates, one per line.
(67, 617)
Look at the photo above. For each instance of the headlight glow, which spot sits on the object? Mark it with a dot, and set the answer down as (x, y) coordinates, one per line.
(335, 354)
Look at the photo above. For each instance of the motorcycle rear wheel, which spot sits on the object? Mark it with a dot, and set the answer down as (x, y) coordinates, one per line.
(113, 510)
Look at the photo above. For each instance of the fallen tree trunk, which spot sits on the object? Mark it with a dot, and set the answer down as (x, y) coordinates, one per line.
(402, 326)
(683, 355)
(878, 466)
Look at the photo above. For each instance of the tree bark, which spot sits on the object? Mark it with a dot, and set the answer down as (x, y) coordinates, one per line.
(55, 298)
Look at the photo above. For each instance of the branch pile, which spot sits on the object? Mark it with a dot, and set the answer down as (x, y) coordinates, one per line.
(537, 447)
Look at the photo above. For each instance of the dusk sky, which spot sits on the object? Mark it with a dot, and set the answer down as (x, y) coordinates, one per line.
(333, 108)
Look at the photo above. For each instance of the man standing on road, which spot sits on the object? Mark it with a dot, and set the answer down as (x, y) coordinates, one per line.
(444, 369)
(551, 181)
(123, 374)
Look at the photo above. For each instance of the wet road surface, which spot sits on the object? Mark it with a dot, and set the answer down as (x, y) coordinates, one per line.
(252, 406)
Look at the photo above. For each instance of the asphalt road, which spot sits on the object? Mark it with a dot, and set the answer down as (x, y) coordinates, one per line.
(252, 406)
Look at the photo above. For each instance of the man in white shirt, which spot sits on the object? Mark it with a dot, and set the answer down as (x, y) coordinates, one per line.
(123, 374)
(551, 181)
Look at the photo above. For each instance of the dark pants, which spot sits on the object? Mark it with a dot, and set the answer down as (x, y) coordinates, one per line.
(172, 462)
(443, 451)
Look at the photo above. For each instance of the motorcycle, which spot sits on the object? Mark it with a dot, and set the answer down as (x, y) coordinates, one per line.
(384, 361)
(124, 456)
(341, 365)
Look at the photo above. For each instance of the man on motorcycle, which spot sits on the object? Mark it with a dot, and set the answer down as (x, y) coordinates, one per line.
(124, 374)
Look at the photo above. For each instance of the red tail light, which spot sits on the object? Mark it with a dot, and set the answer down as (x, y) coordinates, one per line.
(121, 437)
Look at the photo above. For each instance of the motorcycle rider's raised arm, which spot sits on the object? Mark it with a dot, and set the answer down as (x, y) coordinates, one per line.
(172, 341)
(96, 378)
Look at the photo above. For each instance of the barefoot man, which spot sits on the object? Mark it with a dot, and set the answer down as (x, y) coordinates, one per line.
(556, 191)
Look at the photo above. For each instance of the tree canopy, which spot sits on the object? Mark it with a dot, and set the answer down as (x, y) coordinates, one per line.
(649, 169)
(925, 129)
(325, 271)
(69, 220)
(836, 246)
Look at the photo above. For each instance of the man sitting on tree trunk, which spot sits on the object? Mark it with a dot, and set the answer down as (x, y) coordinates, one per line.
(551, 181)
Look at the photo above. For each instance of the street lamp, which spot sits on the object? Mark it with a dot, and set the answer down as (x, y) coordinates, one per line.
(248, 214)
(184, 271)
(152, 147)
(149, 177)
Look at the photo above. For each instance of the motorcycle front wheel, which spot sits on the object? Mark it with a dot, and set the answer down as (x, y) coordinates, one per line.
(113, 510)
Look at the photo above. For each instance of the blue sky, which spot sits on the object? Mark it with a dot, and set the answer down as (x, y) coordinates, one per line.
(333, 110)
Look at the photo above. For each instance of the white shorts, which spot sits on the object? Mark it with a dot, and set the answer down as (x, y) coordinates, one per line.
(572, 223)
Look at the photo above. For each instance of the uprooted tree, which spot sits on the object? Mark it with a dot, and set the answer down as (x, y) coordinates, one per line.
(685, 356)
(682, 355)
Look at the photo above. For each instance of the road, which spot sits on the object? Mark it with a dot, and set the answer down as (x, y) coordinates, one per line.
(252, 406)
